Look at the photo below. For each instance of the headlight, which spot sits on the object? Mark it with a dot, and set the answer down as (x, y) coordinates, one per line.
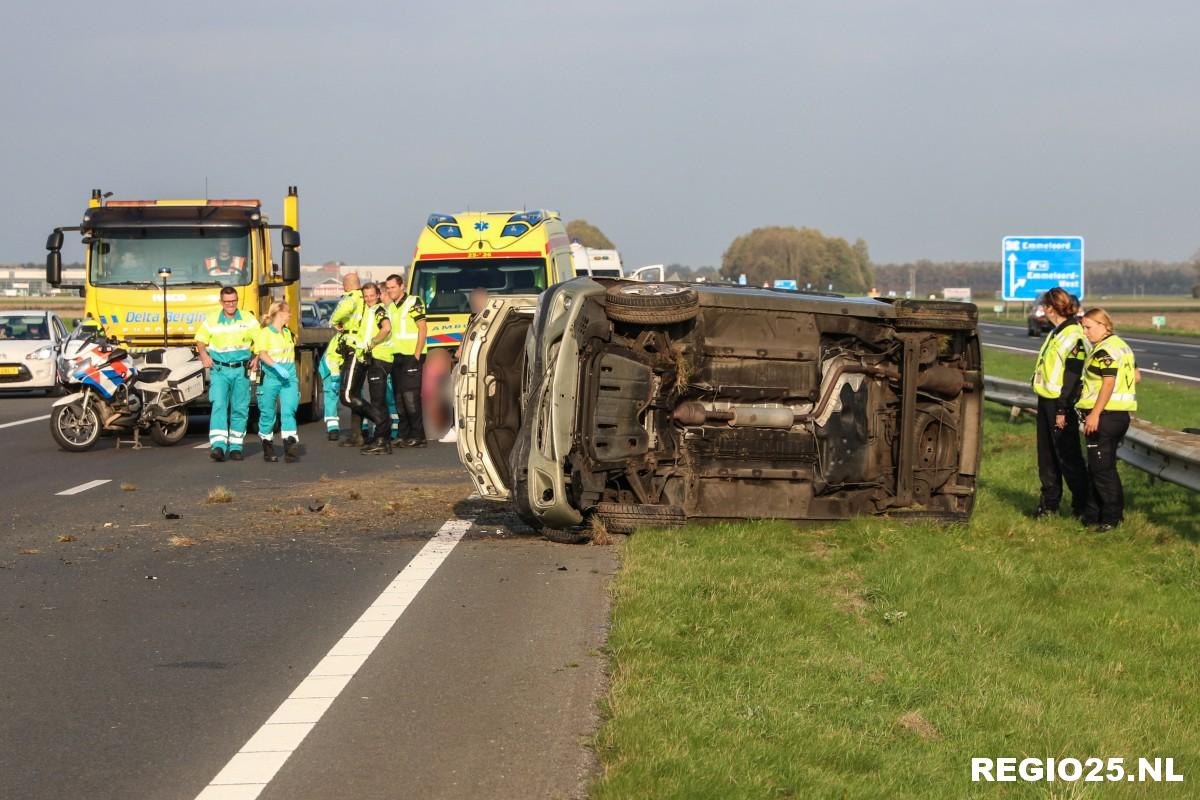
(41, 354)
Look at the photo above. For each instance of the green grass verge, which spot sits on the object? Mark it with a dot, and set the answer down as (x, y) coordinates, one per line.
(874, 658)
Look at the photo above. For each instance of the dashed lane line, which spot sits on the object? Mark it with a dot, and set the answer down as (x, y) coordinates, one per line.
(25, 421)
(256, 764)
(83, 487)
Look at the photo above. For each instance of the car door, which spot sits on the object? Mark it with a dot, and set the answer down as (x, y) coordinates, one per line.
(487, 391)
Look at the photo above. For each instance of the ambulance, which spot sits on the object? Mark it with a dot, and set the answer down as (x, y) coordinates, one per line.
(505, 252)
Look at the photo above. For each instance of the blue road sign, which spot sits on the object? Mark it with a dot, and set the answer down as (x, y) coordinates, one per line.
(785, 283)
(1032, 265)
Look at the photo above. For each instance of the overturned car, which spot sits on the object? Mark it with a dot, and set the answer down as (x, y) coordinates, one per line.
(650, 404)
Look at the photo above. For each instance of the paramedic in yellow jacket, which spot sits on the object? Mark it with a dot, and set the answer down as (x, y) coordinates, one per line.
(275, 347)
(1108, 397)
(224, 342)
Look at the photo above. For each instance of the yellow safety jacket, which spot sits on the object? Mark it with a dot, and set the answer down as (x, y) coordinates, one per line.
(1110, 354)
(228, 339)
(333, 358)
(404, 316)
(348, 311)
(1059, 347)
(370, 321)
(279, 345)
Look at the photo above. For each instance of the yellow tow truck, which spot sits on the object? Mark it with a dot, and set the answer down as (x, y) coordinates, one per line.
(155, 268)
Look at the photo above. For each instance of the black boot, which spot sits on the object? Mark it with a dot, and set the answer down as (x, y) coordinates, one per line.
(379, 446)
(353, 440)
(269, 452)
(291, 450)
(332, 435)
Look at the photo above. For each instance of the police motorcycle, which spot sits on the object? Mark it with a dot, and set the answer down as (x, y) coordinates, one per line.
(108, 389)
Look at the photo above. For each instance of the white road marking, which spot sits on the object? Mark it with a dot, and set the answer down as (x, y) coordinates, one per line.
(1008, 347)
(1159, 342)
(1192, 378)
(25, 421)
(261, 757)
(83, 487)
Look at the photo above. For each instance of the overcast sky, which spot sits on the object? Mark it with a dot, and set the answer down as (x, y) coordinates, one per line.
(930, 129)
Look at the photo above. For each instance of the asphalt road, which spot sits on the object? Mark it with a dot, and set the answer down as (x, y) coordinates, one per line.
(141, 654)
(1167, 357)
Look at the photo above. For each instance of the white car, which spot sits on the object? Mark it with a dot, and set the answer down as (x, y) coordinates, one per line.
(28, 349)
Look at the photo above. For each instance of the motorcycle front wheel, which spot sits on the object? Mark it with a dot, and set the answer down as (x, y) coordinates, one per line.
(75, 426)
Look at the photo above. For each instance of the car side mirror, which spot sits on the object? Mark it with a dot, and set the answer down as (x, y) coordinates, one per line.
(290, 237)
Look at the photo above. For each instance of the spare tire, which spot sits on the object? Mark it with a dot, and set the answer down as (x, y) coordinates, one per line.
(628, 517)
(652, 303)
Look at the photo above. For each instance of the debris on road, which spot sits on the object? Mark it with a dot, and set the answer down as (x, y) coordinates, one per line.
(169, 514)
(66, 537)
(128, 487)
(219, 494)
(181, 541)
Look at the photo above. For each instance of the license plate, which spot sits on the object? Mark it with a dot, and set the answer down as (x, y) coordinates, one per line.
(10, 370)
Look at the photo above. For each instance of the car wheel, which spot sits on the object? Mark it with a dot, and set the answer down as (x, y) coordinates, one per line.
(652, 303)
(628, 517)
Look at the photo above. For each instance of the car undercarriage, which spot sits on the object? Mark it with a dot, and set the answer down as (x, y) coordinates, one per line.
(717, 403)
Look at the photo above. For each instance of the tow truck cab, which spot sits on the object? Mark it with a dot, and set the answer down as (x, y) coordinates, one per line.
(155, 268)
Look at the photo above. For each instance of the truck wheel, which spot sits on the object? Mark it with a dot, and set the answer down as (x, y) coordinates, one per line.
(652, 303)
(76, 428)
(628, 517)
(166, 434)
(314, 411)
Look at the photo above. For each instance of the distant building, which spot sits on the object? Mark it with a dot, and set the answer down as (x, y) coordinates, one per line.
(27, 280)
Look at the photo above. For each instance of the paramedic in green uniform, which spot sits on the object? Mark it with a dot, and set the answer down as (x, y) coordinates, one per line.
(275, 347)
(224, 342)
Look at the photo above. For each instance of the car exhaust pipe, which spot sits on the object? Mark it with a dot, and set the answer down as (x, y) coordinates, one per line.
(737, 416)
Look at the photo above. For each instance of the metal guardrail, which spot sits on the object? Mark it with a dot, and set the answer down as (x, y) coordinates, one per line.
(1173, 456)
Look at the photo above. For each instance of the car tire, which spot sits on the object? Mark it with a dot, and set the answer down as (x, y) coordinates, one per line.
(652, 303)
(628, 517)
(566, 537)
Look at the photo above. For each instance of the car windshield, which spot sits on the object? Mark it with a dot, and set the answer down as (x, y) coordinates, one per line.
(195, 256)
(445, 286)
(27, 328)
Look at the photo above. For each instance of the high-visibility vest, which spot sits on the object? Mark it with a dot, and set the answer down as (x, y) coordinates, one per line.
(1068, 343)
(279, 345)
(368, 329)
(348, 311)
(1124, 396)
(228, 339)
(334, 359)
(404, 326)
(213, 266)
